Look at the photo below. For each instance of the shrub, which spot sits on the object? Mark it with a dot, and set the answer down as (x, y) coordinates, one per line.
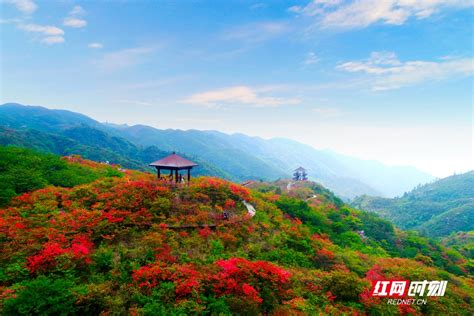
(42, 296)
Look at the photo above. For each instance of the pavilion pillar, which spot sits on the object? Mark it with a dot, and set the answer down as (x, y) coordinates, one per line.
(176, 165)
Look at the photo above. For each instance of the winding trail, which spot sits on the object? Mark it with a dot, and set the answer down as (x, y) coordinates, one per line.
(250, 209)
(289, 185)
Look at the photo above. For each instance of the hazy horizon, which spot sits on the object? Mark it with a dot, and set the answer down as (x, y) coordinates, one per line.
(393, 83)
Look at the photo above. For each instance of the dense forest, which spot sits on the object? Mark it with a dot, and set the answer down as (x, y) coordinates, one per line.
(23, 170)
(96, 145)
(117, 241)
(436, 209)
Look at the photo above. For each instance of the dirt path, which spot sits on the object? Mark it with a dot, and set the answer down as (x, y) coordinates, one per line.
(312, 197)
(250, 209)
(289, 185)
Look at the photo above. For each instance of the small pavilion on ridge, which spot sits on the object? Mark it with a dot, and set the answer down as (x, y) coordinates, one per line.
(174, 164)
(300, 174)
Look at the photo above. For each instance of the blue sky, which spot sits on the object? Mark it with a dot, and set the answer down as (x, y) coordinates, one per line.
(389, 80)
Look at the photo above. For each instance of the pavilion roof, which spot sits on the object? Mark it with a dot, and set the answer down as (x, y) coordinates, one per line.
(300, 169)
(173, 161)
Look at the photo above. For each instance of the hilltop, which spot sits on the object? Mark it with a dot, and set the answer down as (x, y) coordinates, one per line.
(235, 157)
(126, 242)
(435, 209)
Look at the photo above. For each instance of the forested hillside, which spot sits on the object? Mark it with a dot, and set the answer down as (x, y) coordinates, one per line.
(95, 144)
(235, 157)
(461, 241)
(435, 209)
(23, 170)
(132, 244)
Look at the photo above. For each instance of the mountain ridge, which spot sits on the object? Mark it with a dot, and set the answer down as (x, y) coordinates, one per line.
(436, 209)
(237, 156)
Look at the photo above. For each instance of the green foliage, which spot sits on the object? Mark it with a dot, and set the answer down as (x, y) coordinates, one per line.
(42, 296)
(461, 241)
(300, 209)
(345, 286)
(23, 170)
(94, 143)
(137, 245)
(435, 209)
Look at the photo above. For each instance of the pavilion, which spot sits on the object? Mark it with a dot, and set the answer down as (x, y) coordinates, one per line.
(173, 163)
(300, 174)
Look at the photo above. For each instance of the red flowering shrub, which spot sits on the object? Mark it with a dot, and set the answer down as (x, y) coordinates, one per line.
(238, 277)
(219, 191)
(251, 293)
(150, 276)
(229, 204)
(187, 280)
(46, 258)
(77, 220)
(331, 297)
(205, 232)
(115, 216)
(245, 279)
(79, 251)
(163, 253)
(242, 192)
(324, 258)
(81, 248)
(131, 195)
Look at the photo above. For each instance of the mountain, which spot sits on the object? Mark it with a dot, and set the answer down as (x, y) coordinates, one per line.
(214, 147)
(462, 242)
(119, 242)
(252, 157)
(236, 157)
(15, 115)
(435, 209)
(378, 175)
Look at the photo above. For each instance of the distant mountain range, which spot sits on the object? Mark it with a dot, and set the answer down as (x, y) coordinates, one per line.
(236, 157)
(436, 209)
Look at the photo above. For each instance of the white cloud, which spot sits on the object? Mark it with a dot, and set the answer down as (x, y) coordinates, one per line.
(77, 11)
(25, 6)
(238, 95)
(53, 40)
(258, 5)
(256, 32)
(326, 112)
(95, 45)
(74, 22)
(44, 29)
(390, 73)
(49, 34)
(362, 13)
(310, 59)
(124, 58)
(11, 21)
(74, 18)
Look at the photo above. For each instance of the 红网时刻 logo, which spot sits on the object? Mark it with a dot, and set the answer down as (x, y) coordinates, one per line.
(408, 292)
